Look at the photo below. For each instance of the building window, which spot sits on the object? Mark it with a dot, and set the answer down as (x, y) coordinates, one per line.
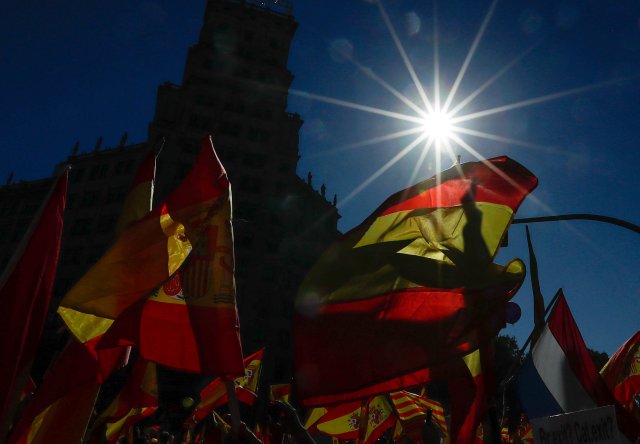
(98, 171)
(82, 227)
(76, 175)
(90, 199)
(115, 195)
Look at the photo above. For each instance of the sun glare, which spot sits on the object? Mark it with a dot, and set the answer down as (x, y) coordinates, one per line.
(439, 126)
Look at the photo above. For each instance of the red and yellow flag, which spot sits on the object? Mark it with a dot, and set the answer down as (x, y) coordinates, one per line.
(69, 389)
(345, 421)
(137, 400)
(193, 302)
(25, 292)
(137, 205)
(414, 280)
(622, 375)
(215, 395)
(525, 431)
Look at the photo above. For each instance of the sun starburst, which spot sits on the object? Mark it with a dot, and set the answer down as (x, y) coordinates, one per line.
(439, 124)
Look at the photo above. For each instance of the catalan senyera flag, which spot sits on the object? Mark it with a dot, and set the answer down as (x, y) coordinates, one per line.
(622, 375)
(25, 292)
(192, 303)
(137, 204)
(415, 280)
(410, 406)
(215, 395)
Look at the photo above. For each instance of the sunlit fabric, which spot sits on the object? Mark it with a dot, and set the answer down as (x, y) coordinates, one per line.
(559, 375)
(622, 375)
(412, 286)
(186, 301)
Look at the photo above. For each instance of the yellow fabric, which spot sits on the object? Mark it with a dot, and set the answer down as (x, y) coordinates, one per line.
(472, 360)
(52, 425)
(84, 326)
(141, 258)
(251, 376)
(379, 410)
(314, 415)
(436, 230)
(136, 205)
(346, 423)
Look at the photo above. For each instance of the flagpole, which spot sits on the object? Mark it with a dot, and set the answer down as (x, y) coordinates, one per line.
(507, 378)
(234, 407)
(582, 216)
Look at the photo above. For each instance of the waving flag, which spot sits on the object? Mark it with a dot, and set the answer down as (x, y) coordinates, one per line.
(215, 395)
(622, 375)
(559, 375)
(91, 328)
(25, 293)
(188, 303)
(138, 399)
(414, 280)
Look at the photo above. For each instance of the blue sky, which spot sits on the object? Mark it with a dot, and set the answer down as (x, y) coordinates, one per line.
(92, 69)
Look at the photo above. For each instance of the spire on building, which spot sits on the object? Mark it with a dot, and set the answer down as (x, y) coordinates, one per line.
(123, 139)
(98, 145)
(323, 190)
(76, 147)
(10, 178)
(335, 200)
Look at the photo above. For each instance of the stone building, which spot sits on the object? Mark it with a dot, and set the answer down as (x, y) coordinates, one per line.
(235, 87)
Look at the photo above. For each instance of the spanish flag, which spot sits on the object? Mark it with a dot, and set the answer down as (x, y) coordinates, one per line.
(215, 394)
(138, 399)
(190, 320)
(137, 204)
(622, 375)
(25, 292)
(362, 421)
(411, 287)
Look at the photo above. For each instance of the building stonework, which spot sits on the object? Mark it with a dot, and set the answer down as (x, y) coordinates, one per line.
(234, 87)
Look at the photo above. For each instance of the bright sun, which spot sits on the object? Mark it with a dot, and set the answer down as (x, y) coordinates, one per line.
(438, 126)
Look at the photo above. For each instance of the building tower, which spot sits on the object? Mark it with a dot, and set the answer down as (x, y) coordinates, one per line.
(235, 86)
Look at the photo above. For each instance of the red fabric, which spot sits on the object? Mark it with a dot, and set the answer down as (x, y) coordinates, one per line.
(144, 242)
(146, 171)
(25, 293)
(469, 399)
(489, 177)
(72, 373)
(214, 394)
(565, 330)
(385, 343)
(194, 339)
(622, 374)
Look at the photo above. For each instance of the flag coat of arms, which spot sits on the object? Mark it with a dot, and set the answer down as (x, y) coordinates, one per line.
(190, 321)
(411, 287)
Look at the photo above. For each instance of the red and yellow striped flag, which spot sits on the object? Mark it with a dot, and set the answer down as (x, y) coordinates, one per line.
(415, 279)
(215, 395)
(91, 328)
(622, 375)
(190, 301)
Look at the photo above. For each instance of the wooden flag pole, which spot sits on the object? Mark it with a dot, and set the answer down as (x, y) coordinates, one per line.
(234, 407)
